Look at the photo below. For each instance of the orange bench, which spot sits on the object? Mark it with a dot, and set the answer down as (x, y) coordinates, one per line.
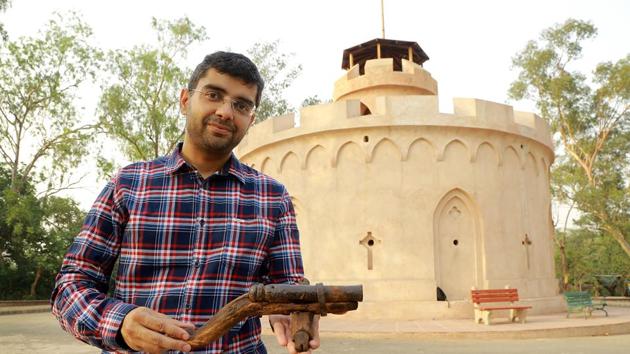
(504, 300)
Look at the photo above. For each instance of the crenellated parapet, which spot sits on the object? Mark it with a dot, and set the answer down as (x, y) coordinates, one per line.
(400, 112)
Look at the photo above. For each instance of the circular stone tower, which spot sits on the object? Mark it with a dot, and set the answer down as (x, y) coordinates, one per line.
(395, 195)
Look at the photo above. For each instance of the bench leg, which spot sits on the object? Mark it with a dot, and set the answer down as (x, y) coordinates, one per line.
(601, 309)
(520, 314)
(486, 317)
(478, 317)
(482, 316)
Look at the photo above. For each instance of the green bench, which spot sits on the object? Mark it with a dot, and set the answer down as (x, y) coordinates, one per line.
(581, 301)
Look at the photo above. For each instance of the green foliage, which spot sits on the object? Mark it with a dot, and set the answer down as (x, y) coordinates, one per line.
(588, 254)
(140, 109)
(544, 75)
(40, 129)
(311, 101)
(278, 73)
(19, 217)
(34, 234)
(4, 4)
(591, 120)
(41, 142)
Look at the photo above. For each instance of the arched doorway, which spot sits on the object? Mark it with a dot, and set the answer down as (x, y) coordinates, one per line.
(457, 241)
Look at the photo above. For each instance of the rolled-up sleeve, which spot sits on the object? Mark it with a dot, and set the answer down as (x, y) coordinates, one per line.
(79, 300)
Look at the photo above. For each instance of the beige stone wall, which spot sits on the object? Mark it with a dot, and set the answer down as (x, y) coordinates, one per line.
(447, 198)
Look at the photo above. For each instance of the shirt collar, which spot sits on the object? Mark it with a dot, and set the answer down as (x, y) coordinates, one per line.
(175, 163)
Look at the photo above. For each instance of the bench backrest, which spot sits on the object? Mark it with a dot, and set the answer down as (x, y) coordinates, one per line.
(578, 298)
(494, 295)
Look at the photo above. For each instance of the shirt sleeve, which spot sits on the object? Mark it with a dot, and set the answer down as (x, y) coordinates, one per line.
(79, 300)
(285, 258)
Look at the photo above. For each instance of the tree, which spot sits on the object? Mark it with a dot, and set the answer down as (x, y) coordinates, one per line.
(4, 4)
(591, 121)
(563, 185)
(19, 223)
(275, 68)
(19, 218)
(311, 101)
(41, 137)
(34, 234)
(42, 140)
(590, 253)
(140, 109)
(61, 221)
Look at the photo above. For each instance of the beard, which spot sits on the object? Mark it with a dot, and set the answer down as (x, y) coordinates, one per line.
(211, 141)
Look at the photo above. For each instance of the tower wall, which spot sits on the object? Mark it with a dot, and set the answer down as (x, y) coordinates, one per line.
(379, 79)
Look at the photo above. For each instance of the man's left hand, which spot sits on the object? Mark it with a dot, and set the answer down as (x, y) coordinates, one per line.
(281, 325)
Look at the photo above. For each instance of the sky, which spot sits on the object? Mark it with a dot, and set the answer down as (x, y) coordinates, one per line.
(470, 43)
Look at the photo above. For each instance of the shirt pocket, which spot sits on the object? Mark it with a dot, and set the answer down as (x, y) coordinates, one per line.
(245, 247)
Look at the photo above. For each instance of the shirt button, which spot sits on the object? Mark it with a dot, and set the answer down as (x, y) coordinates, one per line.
(201, 221)
(188, 306)
(196, 263)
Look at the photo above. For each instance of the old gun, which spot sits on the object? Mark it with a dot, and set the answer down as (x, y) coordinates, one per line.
(301, 302)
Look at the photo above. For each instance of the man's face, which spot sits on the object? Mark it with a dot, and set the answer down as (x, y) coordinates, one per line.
(213, 125)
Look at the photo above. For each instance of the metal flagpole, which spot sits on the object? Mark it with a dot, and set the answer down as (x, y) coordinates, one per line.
(383, 18)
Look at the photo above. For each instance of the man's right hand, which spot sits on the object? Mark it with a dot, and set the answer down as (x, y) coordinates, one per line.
(149, 331)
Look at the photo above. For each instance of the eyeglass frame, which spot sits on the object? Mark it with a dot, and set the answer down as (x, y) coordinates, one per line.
(232, 101)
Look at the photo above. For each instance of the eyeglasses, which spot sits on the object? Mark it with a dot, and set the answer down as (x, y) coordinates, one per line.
(238, 105)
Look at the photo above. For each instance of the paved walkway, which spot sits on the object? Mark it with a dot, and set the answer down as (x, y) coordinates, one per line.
(37, 333)
(543, 326)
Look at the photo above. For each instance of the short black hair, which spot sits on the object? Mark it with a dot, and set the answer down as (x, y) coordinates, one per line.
(233, 64)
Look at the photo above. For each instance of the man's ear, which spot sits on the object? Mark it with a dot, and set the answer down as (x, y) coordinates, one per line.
(184, 96)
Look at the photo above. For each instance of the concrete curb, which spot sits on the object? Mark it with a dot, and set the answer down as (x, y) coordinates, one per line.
(16, 310)
(585, 331)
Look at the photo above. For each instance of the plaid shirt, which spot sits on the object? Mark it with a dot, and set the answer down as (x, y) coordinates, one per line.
(186, 246)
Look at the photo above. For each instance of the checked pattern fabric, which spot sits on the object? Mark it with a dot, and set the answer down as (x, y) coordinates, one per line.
(186, 246)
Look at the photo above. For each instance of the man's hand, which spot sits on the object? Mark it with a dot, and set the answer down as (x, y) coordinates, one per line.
(149, 331)
(282, 328)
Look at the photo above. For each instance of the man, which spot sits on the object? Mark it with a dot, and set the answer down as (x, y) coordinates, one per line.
(191, 231)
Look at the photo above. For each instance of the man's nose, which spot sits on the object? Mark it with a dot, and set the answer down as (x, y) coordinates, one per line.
(225, 110)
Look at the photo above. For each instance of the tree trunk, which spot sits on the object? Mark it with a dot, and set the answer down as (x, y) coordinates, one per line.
(614, 231)
(38, 275)
(565, 268)
(14, 172)
(621, 239)
(563, 252)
